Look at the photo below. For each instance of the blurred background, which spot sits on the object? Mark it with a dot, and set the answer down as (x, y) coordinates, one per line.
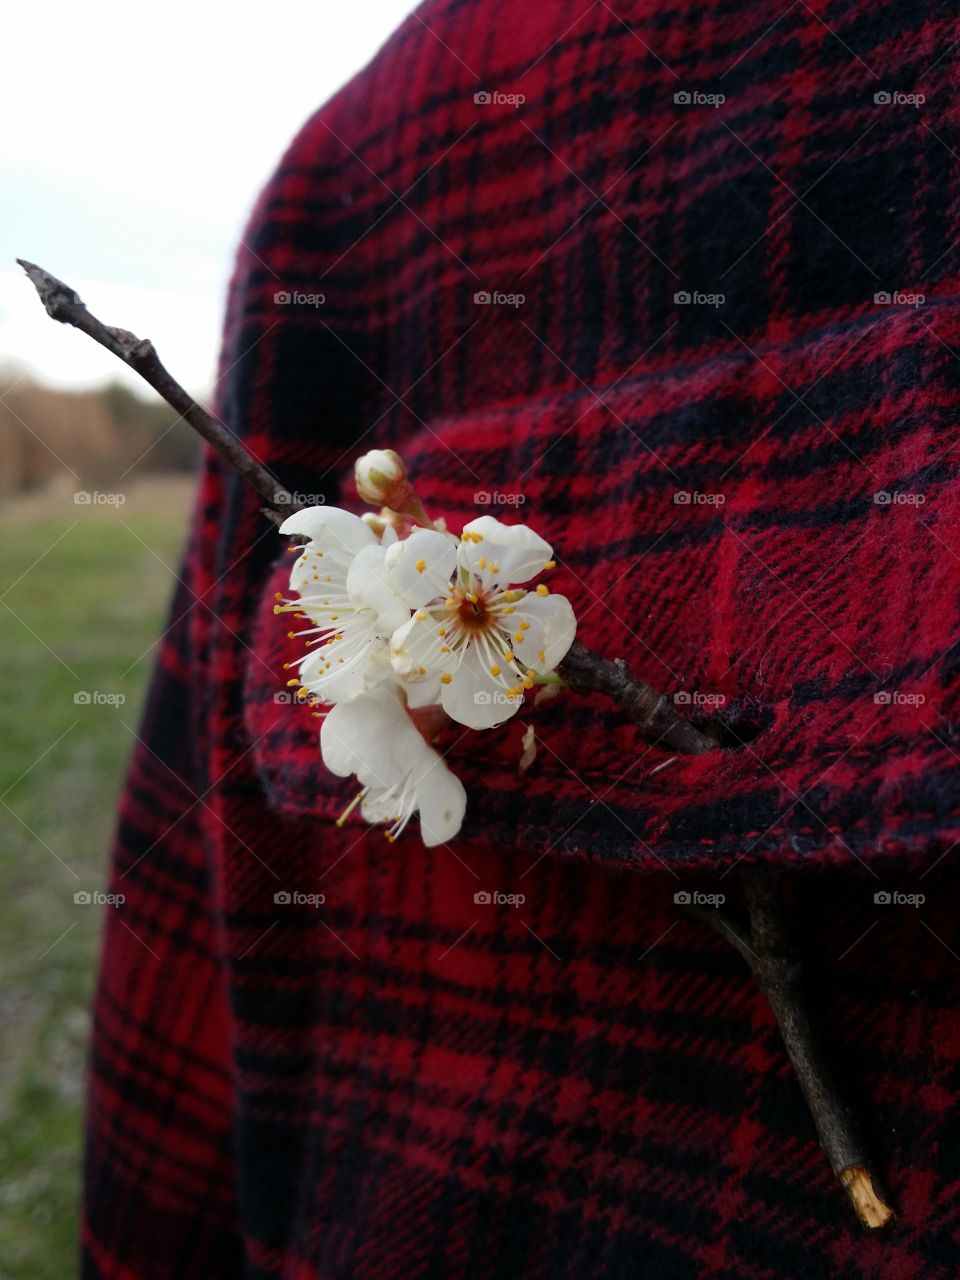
(132, 150)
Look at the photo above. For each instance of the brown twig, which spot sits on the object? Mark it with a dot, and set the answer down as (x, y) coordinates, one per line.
(775, 963)
(63, 304)
(586, 672)
(583, 671)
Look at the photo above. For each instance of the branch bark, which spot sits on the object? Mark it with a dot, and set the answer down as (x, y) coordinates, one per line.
(586, 672)
(583, 671)
(62, 303)
(775, 963)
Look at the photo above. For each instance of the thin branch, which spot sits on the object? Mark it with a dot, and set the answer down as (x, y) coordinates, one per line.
(586, 672)
(583, 671)
(775, 963)
(63, 304)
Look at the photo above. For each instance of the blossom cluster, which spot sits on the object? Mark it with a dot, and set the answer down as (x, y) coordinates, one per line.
(404, 616)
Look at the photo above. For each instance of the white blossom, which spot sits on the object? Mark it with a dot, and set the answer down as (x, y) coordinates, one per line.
(373, 737)
(478, 644)
(343, 590)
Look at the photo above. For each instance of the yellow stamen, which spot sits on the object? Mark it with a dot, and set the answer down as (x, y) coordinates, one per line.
(420, 566)
(543, 589)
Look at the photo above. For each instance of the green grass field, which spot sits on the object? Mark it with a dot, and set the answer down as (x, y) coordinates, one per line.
(84, 596)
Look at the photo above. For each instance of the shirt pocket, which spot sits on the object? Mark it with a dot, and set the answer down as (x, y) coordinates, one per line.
(770, 537)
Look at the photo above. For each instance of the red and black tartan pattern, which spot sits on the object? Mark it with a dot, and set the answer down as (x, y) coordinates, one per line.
(747, 466)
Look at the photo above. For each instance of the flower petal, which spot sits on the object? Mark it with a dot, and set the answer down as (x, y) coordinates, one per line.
(337, 670)
(475, 697)
(336, 532)
(441, 799)
(517, 553)
(416, 649)
(420, 567)
(553, 626)
(370, 736)
(368, 587)
(422, 693)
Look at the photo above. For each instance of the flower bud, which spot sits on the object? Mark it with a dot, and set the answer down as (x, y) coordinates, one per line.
(378, 474)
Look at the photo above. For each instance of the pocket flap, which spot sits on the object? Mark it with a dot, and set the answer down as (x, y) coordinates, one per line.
(771, 538)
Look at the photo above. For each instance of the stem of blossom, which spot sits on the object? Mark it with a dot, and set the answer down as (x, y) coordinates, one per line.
(586, 672)
(775, 962)
(582, 670)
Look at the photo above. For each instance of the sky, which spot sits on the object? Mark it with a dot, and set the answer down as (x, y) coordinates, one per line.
(132, 150)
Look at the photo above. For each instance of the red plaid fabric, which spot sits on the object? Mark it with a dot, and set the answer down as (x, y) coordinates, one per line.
(679, 288)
